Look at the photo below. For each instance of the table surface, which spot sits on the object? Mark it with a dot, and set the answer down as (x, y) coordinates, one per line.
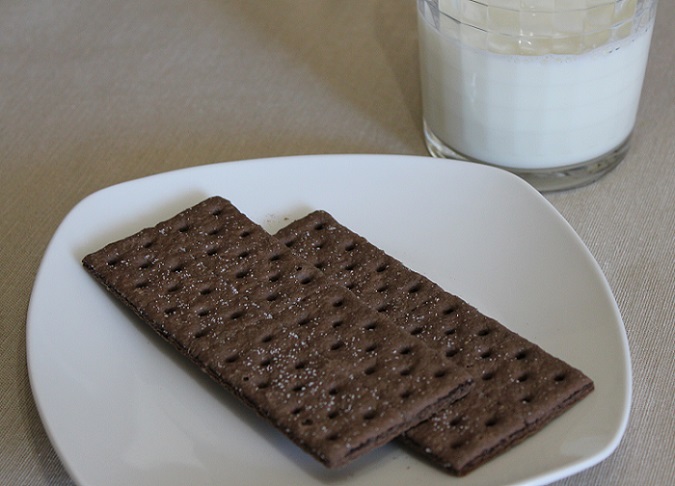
(97, 92)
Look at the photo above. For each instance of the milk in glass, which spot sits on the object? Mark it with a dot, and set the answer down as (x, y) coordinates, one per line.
(533, 88)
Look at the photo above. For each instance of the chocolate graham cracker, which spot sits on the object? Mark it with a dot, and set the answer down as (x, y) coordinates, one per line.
(519, 387)
(335, 376)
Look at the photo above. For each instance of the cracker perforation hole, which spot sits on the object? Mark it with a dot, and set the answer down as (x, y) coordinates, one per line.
(440, 373)
(236, 315)
(336, 345)
(333, 414)
(320, 265)
(211, 251)
(371, 348)
(406, 371)
(405, 350)
(371, 326)
(339, 302)
(458, 444)
(214, 231)
(370, 370)
(205, 290)
(405, 394)
(184, 228)
(381, 267)
(203, 312)
(111, 262)
(559, 377)
(337, 323)
(523, 378)
(491, 422)
(521, 355)
(382, 308)
(169, 311)
(456, 422)
(350, 266)
(263, 384)
(296, 410)
(319, 226)
(275, 257)
(486, 354)
(142, 284)
(300, 365)
(333, 391)
(416, 331)
(350, 247)
(382, 288)
(266, 362)
(216, 212)
(483, 332)
(527, 399)
(245, 233)
(450, 331)
(272, 297)
(202, 332)
(416, 287)
(175, 287)
(487, 376)
(267, 338)
(298, 387)
(451, 352)
(242, 273)
(332, 437)
(369, 415)
(232, 358)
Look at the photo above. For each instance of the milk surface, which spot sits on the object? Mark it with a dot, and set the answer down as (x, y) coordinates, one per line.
(504, 103)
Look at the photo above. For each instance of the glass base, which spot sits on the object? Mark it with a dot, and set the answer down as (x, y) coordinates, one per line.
(544, 180)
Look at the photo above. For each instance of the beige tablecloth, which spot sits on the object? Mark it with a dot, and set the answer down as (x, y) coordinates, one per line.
(103, 91)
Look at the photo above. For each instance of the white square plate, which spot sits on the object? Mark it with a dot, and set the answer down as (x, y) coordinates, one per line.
(120, 407)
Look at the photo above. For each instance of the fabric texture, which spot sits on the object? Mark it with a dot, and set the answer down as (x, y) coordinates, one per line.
(94, 93)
